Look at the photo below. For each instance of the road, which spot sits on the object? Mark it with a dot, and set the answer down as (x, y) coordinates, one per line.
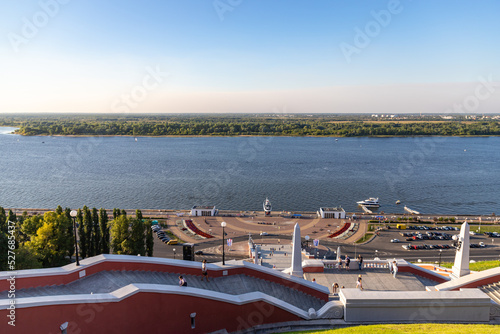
(380, 247)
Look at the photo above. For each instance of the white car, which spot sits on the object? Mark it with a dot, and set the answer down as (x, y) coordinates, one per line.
(482, 245)
(405, 247)
(263, 233)
(395, 240)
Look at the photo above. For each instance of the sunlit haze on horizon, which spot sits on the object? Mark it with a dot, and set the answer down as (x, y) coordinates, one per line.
(250, 56)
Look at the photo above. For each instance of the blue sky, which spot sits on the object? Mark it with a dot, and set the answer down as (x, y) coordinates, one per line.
(247, 55)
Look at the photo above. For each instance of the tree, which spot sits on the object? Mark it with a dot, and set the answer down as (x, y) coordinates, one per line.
(31, 225)
(88, 230)
(71, 232)
(119, 234)
(104, 228)
(52, 243)
(81, 234)
(116, 213)
(149, 239)
(96, 231)
(138, 214)
(26, 258)
(4, 248)
(136, 245)
(3, 220)
(11, 217)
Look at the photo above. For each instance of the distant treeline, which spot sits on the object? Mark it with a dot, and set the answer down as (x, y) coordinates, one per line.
(256, 127)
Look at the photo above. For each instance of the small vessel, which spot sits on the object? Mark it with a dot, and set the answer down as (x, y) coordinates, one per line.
(398, 202)
(371, 202)
(267, 207)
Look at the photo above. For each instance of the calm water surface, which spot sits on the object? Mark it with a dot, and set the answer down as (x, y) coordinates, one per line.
(446, 175)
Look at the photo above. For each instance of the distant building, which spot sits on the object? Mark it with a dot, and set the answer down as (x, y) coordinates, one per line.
(203, 211)
(332, 213)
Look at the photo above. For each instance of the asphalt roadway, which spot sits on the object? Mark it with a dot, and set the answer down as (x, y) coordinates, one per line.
(380, 246)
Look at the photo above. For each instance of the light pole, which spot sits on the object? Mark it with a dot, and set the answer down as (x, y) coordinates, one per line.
(174, 253)
(73, 214)
(307, 241)
(440, 251)
(223, 224)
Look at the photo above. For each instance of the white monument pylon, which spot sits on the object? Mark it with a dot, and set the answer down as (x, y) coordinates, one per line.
(461, 266)
(296, 269)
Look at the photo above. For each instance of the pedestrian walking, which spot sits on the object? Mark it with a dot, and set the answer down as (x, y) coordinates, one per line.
(359, 283)
(204, 271)
(335, 288)
(182, 281)
(339, 263)
(347, 262)
(360, 262)
(394, 268)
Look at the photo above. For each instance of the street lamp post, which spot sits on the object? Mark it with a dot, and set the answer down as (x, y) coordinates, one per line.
(73, 214)
(174, 253)
(223, 224)
(440, 251)
(307, 241)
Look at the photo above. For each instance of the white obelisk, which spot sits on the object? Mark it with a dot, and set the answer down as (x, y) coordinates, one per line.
(296, 269)
(461, 266)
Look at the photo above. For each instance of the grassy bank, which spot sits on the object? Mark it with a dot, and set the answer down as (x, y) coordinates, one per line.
(476, 266)
(365, 238)
(412, 328)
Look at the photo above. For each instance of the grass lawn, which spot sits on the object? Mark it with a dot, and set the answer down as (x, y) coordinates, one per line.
(485, 228)
(365, 238)
(413, 328)
(477, 266)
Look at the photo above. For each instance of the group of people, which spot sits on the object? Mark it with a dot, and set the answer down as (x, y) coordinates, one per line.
(348, 262)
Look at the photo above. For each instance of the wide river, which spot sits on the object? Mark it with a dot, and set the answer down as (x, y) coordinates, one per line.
(440, 175)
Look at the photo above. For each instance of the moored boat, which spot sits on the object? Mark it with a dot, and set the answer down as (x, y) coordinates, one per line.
(267, 207)
(371, 202)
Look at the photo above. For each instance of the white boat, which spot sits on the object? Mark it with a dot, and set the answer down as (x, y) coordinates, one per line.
(371, 202)
(267, 207)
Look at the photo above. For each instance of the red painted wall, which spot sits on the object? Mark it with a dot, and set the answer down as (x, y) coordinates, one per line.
(476, 284)
(423, 273)
(145, 313)
(313, 269)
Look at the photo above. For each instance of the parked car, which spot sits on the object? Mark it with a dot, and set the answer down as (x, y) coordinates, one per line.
(198, 252)
(395, 240)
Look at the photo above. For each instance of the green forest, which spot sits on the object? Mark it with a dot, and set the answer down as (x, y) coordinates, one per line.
(246, 125)
(44, 241)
